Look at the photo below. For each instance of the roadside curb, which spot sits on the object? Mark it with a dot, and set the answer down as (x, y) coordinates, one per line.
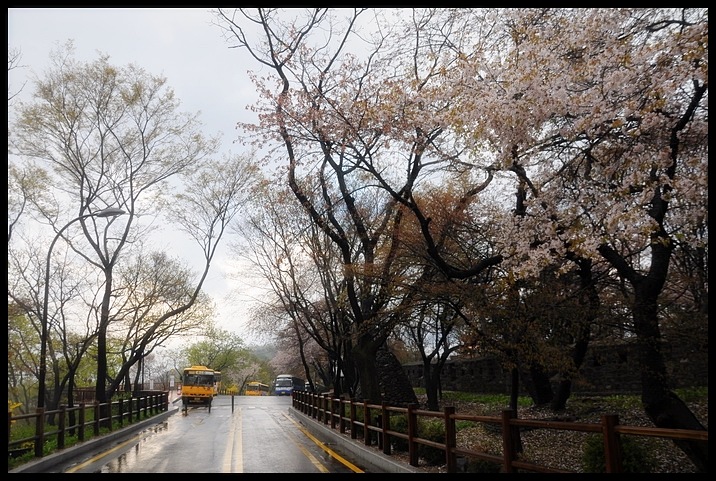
(372, 459)
(47, 463)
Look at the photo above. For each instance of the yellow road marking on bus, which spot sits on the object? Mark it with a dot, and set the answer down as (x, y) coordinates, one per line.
(233, 456)
(328, 450)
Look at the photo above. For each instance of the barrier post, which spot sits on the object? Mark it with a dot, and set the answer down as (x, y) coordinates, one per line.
(366, 423)
(508, 443)
(385, 424)
(412, 434)
(612, 444)
(354, 433)
(450, 439)
(39, 432)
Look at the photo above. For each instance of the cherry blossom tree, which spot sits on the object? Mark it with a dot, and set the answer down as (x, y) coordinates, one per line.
(603, 122)
(592, 125)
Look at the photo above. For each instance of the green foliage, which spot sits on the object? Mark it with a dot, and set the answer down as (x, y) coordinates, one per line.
(15, 460)
(27, 430)
(622, 402)
(465, 425)
(433, 430)
(693, 394)
(497, 401)
(482, 466)
(399, 423)
(637, 455)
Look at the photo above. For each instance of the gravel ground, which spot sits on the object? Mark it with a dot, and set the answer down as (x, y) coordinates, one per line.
(563, 449)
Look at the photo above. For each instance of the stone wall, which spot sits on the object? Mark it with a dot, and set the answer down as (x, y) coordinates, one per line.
(606, 370)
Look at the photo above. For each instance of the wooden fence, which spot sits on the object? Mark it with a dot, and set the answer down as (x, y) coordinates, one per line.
(374, 423)
(68, 421)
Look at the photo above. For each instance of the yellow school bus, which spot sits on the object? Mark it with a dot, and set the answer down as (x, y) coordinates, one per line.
(256, 388)
(198, 386)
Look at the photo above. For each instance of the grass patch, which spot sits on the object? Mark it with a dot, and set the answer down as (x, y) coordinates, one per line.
(493, 401)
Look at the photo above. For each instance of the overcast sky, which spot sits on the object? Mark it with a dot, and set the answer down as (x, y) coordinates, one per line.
(180, 44)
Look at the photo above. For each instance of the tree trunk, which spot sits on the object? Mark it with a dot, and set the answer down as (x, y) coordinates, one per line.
(431, 381)
(664, 408)
(514, 396)
(590, 300)
(564, 389)
(365, 350)
(72, 414)
(538, 385)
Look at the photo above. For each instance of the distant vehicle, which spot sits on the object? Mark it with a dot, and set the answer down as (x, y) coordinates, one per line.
(199, 385)
(256, 388)
(285, 384)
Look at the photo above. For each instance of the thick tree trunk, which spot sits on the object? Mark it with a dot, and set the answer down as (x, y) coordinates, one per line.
(514, 397)
(348, 383)
(589, 299)
(664, 408)
(538, 385)
(431, 381)
(365, 350)
(564, 389)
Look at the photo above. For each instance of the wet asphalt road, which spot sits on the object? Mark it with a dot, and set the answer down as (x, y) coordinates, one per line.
(252, 435)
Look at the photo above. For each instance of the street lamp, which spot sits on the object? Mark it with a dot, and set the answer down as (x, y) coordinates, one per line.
(109, 212)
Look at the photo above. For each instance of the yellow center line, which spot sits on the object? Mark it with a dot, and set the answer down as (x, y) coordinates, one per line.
(328, 450)
(233, 456)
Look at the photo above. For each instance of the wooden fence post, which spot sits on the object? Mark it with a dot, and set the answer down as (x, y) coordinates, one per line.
(82, 419)
(334, 410)
(61, 427)
(385, 425)
(97, 418)
(508, 443)
(342, 416)
(612, 444)
(412, 434)
(450, 439)
(120, 407)
(40, 432)
(354, 431)
(366, 423)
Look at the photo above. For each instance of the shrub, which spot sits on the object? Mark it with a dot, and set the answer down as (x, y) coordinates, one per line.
(433, 430)
(399, 423)
(637, 455)
(482, 466)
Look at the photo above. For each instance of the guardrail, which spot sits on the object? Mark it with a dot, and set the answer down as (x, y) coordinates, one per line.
(66, 421)
(374, 424)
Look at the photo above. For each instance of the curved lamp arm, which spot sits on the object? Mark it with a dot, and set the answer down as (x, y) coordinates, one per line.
(109, 212)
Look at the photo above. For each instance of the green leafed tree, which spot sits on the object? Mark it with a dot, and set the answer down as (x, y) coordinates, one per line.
(111, 136)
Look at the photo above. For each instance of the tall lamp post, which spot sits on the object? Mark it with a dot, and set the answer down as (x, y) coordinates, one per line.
(110, 212)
